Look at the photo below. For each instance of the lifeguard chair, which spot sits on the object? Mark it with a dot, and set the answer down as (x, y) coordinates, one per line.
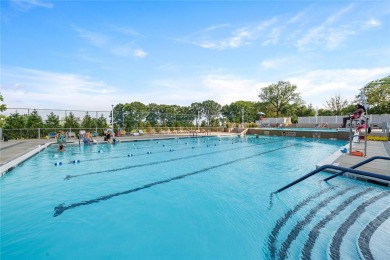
(261, 118)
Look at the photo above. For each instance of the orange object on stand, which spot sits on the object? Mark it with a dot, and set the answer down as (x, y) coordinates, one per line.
(357, 153)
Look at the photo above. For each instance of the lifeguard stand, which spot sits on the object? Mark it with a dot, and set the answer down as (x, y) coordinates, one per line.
(261, 118)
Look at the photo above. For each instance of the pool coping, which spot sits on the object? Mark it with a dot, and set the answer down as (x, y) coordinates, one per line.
(14, 163)
(346, 160)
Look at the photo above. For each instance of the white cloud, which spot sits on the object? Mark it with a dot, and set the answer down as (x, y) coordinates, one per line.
(371, 23)
(25, 5)
(273, 37)
(326, 34)
(97, 39)
(125, 50)
(44, 89)
(296, 18)
(226, 89)
(37, 89)
(219, 37)
(139, 53)
(320, 85)
(282, 63)
(126, 31)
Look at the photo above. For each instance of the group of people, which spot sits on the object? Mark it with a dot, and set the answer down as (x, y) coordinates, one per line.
(324, 125)
(88, 139)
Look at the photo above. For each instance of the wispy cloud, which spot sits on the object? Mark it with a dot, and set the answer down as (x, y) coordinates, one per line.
(332, 31)
(25, 5)
(371, 23)
(230, 88)
(273, 37)
(95, 38)
(109, 43)
(286, 62)
(317, 86)
(139, 53)
(326, 34)
(224, 36)
(29, 87)
(126, 31)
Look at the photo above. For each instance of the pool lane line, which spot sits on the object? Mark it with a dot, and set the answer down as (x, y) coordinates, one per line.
(282, 254)
(180, 149)
(337, 239)
(58, 210)
(315, 231)
(67, 177)
(151, 146)
(366, 235)
(124, 156)
(272, 238)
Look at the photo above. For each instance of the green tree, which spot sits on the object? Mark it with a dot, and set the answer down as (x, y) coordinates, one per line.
(280, 95)
(148, 127)
(71, 121)
(88, 122)
(2, 120)
(238, 110)
(211, 109)
(3, 107)
(154, 114)
(52, 121)
(33, 121)
(101, 122)
(378, 95)
(168, 114)
(13, 124)
(336, 105)
(196, 110)
(136, 114)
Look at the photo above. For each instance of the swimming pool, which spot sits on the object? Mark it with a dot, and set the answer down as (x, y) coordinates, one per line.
(197, 198)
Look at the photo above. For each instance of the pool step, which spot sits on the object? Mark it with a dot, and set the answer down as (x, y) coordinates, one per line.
(330, 213)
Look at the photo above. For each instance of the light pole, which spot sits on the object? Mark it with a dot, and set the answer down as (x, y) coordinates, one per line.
(112, 116)
(123, 119)
(242, 117)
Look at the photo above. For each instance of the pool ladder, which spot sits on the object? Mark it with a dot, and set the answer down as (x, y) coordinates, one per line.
(342, 170)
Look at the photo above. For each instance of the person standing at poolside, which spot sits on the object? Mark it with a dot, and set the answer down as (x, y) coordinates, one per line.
(60, 137)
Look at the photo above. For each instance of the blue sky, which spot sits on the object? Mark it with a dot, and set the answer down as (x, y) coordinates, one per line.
(88, 55)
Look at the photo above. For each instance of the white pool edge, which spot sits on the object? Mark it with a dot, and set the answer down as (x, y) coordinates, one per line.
(12, 164)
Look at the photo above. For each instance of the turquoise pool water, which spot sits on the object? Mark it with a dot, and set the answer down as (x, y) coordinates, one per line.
(195, 198)
(300, 129)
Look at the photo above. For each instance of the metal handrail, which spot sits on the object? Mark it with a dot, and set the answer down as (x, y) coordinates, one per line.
(343, 169)
(358, 165)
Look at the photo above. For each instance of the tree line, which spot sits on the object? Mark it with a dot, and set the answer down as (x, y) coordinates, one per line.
(280, 99)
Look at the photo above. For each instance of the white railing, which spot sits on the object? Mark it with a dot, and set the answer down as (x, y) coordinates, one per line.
(372, 119)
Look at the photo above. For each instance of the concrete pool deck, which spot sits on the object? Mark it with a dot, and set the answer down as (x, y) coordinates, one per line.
(13, 152)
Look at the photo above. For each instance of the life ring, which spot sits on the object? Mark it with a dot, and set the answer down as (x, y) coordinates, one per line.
(357, 153)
